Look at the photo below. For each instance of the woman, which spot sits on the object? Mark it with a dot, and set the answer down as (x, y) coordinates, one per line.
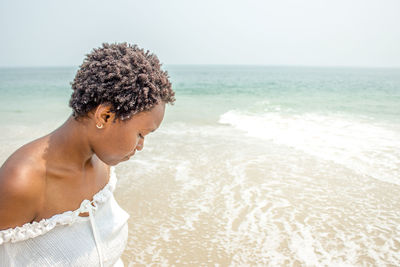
(56, 192)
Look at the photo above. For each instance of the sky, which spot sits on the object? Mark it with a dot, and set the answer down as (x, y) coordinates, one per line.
(357, 33)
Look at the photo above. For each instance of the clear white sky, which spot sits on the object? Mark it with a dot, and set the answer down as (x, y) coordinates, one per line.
(282, 32)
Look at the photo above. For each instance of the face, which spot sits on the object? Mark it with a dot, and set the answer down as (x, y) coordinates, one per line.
(118, 141)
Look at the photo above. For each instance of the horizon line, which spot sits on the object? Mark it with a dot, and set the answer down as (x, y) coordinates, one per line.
(217, 64)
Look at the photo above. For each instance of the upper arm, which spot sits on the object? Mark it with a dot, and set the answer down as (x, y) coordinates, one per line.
(20, 195)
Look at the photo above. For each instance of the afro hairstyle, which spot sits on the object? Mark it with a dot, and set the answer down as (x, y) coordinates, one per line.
(122, 75)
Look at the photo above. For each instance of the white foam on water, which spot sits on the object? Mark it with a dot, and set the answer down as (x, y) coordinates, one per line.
(302, 244)
(363, 147)
(224, 199)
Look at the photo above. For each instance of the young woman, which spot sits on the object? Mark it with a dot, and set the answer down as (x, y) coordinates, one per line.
(56, 192)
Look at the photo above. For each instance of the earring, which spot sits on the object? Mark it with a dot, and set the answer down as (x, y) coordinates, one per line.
(99, 126)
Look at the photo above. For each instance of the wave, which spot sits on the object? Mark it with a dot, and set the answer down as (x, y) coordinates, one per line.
(366, 148)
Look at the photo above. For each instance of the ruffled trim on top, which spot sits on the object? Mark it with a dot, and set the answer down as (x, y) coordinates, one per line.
(31, 230)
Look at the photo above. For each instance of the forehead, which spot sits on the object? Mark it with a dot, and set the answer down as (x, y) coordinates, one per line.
(148, 119)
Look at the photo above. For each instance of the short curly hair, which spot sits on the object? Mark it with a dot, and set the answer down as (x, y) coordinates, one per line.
(122, 75)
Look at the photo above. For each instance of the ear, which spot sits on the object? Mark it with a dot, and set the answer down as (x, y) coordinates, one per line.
(103, 114)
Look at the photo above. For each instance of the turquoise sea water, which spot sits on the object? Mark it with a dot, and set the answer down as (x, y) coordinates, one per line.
(253, 164)
(362, 92)
(368, 93)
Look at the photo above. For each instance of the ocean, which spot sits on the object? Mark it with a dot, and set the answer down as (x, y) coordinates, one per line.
(253, 165)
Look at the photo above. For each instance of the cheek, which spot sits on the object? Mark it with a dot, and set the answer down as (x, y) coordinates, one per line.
(124, 145)
(114, 148)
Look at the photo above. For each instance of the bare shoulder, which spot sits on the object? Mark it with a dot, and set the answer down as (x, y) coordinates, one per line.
(22, 184)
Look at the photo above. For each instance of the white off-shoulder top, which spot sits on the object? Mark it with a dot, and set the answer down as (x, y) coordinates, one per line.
(68, 239)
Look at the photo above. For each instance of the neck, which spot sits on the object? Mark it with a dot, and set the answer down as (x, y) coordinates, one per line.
(70, 146)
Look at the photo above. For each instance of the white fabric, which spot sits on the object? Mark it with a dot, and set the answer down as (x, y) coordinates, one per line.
(70, 240)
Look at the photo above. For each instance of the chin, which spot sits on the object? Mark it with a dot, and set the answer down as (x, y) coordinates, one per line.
(111, 161)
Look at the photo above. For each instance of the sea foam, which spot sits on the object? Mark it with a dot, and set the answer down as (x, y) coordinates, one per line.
(368, 149)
